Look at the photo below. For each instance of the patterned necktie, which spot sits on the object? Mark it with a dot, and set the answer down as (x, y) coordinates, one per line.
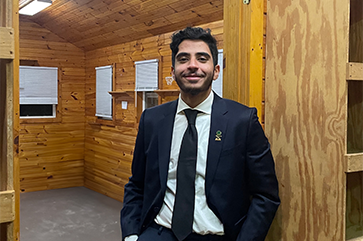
(183, 214)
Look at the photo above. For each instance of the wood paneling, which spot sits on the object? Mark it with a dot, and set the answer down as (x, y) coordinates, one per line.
(52, 154)
(109, 145)
(306, 106)
(98, 23)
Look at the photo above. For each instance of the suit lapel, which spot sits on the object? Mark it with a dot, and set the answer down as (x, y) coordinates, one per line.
(165, 131)
(216, 138)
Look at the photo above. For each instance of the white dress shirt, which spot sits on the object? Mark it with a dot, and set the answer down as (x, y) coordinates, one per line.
(205, 221)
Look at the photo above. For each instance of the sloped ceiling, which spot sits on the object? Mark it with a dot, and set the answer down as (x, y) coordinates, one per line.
(92, 24)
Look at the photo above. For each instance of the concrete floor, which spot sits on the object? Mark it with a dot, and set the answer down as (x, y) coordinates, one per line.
(69, 214)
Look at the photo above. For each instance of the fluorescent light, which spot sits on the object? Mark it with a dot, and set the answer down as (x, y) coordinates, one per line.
(35, 6)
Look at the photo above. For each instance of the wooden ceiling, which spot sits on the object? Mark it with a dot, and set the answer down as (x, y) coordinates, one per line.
(92, 24)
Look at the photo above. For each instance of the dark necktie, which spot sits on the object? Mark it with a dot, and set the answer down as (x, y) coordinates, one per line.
(183, 213)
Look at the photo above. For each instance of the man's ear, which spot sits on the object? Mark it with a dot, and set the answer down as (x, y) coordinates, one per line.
(217, 70)
(172, 72)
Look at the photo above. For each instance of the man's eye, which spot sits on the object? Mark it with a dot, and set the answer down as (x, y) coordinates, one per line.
(203, 59)
(183, 59)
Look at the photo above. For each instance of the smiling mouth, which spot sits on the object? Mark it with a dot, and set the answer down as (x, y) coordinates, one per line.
(193, 77)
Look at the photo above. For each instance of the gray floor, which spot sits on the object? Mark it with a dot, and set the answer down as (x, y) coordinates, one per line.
(69, 214)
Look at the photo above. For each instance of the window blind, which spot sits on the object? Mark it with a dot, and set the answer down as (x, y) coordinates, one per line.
(147, 76)
(217, 85)
(38, 85)
(103, 86)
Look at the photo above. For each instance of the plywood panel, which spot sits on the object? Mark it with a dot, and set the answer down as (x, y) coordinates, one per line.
(306, 108)
(109, 145)
(52, 154)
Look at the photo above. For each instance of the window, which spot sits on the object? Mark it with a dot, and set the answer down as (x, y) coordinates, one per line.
(217, 84)
(147, 75)
(103, 86)
(38, 91)
(147, 80)
(150, 99)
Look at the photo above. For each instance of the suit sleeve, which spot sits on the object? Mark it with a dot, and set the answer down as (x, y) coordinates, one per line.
(134, 189)
(262, 183)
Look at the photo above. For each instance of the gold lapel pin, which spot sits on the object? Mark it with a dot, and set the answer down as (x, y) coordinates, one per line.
(218, 136)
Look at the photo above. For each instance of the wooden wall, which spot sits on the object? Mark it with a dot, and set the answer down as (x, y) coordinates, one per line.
(109, 144)
(306, 106)
(52, 151)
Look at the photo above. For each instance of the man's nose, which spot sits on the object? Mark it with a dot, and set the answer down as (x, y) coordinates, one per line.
(193, 63)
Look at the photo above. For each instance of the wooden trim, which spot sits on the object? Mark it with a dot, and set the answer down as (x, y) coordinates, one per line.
(256, 50)
(7, 206)
(354, 162)
(166, 90)
(120, 92)
(355, 71)
(7, 43)
(356, 239)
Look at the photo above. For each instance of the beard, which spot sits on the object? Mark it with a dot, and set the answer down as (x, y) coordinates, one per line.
(195, 90)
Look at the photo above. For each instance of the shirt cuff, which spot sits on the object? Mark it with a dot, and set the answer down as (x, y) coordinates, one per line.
(131, 238)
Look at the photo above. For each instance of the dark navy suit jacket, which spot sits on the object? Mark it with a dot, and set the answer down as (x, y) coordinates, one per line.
(240, 184)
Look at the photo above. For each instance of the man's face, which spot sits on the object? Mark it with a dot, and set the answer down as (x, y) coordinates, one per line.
(194, 70)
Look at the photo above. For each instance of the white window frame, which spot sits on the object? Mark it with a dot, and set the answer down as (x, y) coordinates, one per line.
(38, 85)
(217, 85)
(104, 84)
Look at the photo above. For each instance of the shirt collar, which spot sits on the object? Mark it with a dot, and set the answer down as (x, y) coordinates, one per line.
(205, 106)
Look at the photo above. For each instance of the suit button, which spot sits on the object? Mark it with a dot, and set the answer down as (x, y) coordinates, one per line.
(156, 209)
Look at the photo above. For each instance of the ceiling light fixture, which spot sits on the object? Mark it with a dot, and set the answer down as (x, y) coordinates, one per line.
(33, 7)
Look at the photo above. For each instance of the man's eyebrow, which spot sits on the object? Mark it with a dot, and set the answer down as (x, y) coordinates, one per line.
(182, 54)
(188, 54)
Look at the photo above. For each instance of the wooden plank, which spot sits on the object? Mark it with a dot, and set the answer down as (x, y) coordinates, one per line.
(354, 162)
(16, 113)
(7, 206)
(7, 50)
(257, 49)
(355, 71)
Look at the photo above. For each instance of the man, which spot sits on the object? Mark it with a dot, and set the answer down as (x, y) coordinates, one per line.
(202, 166)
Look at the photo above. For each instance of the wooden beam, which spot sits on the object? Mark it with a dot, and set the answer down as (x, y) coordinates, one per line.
(244, 27)
(6, 43)
(7, 206)
(354, 162)
(15, 116)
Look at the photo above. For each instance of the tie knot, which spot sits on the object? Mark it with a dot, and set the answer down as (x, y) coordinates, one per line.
(191, 116)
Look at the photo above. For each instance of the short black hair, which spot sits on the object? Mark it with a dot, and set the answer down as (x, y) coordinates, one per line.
(194, 33)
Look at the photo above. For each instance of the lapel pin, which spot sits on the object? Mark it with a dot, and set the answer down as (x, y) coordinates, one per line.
(218, 136)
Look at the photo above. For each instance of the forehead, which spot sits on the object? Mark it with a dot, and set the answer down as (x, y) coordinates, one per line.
(193, 46)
